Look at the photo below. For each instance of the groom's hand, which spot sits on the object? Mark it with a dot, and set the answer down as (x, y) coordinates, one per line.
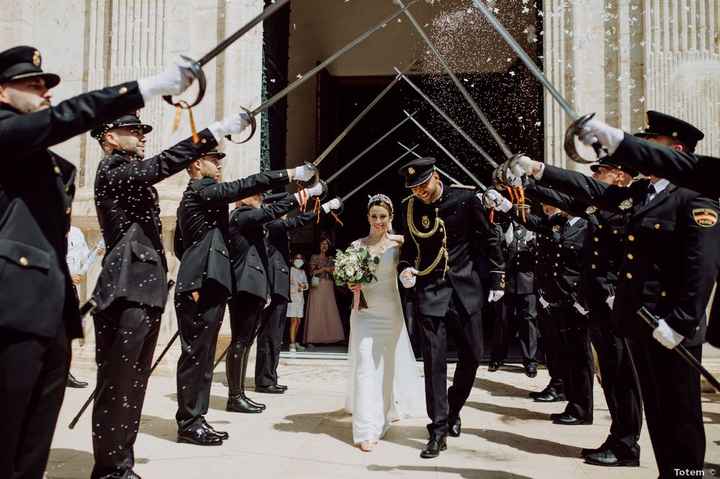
(408, 277)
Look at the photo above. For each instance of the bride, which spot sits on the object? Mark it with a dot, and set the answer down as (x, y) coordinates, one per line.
(385, 385)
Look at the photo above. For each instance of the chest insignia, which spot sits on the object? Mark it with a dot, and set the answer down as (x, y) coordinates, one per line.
(591, 210)
(556, 228)
(425, 221)
(626, 204)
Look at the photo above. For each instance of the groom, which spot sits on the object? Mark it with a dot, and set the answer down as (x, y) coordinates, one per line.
(445, 225)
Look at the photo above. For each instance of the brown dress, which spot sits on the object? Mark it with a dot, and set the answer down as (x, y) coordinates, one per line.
(322, 324)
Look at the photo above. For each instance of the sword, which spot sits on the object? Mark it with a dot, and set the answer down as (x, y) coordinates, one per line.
(364, 183)
(447, 152)
(473, 104)
(312, 72)
(578, 121)
(437, 168)
(195, 67)
(362, 153)
(652, 321)
(447, 118)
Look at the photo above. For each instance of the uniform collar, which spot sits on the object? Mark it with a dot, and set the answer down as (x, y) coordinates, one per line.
(573, 220)
(660, 185)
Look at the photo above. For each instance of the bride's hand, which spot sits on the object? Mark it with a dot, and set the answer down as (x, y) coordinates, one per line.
(354, 287)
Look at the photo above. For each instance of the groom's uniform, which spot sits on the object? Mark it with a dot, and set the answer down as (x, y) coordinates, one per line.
(439, 243)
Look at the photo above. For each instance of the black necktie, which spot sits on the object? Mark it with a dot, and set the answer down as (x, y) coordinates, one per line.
(649, 196)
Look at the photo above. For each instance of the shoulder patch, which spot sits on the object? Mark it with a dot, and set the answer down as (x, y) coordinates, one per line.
(705, 217)
(464, 187)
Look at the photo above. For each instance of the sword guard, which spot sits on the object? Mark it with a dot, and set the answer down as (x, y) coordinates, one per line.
(197, 71)
(573, 131)
(253, 127)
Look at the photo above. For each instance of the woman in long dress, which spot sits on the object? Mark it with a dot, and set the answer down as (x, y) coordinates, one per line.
(323, 324)
(385, 384)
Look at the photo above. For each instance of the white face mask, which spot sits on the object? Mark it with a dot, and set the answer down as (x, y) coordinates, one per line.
(298, 263)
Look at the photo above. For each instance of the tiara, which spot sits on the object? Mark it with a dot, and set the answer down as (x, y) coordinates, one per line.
(380, 197)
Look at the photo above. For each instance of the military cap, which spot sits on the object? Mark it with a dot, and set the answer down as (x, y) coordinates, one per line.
(126, 121)
(661, 124)
(418, 171)
(219, 154)
(24, 62)
(608, 161)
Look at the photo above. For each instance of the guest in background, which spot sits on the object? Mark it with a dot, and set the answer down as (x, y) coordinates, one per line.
(323, 324)
(296, 307)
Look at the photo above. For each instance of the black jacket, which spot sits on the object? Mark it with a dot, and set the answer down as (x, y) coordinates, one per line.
(37, 187)
(520, 261)
(461, 220)
(278, 250)
(247, 245)
(125, 196)
(203, 226)
(670, 257)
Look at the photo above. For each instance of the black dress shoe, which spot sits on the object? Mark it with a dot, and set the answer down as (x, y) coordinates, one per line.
(584, 452)
(224, 435)
(494, 366)
(72, 382)
(239, 404)
(282, 386)
(272, 389)
(550, 396)
(608, 458)
(566, 419)
(199, 435)
(531, 370)
(433, 448)
(454, 426)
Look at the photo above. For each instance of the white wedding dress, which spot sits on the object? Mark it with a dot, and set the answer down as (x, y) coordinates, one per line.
(384, 384)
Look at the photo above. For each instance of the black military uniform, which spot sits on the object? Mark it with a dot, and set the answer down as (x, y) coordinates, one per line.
(38, 309)
(601, 258)
(269, 340)
(670, 262)
(252, 292)
(517, 312)
(440, 246)
(203, 287)
(132, 289)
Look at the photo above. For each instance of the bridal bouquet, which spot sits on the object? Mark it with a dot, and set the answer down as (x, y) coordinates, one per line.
(355, 265)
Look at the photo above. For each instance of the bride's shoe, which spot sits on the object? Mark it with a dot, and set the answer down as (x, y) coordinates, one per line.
(367, 446)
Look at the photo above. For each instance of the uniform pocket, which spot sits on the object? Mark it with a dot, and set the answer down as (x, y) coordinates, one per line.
(23, 255)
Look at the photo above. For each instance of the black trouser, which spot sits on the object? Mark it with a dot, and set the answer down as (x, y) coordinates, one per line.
(199, 324)
(125, 338)
(33, 374)
(621, 388)
(549, 325)
(577, 360)
(466, 331)
(671, 396)
(245, 318)
(269, 343)
(516, 314)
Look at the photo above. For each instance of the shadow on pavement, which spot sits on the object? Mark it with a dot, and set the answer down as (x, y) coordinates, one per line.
(508, 414)
(73, 463)
(465, 473)
(531, 445)
(501, 389)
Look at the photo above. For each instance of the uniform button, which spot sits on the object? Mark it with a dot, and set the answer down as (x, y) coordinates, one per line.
(657, 226)
(122, 90)
(663, 293)
(23, 261)
(596, 239)
(599, 227)
(554, 274)
(593, 266)
(615, 232)
(56, 169)
(204, 140)
(596, 253)
(628, 275)
(630, 256)
(556, 264)
(631, 238)
(558, 255)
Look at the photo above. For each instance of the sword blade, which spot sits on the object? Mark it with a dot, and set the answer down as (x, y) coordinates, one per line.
(447, 118)
(447, 152)
(364, 183)
(471, 101)
(362, 153)
(266, 13)
(294, 85)
(439, 170)
(537, 73)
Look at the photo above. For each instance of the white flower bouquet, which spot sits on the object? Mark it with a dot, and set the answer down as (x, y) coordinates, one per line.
(355, 266)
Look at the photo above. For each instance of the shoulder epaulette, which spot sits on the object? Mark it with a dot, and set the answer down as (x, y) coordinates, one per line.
(464, 187)
(407, 198)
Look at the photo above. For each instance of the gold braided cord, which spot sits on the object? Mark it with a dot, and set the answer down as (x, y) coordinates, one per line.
(414, 232)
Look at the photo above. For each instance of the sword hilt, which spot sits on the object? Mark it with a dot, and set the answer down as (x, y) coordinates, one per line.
(253, 127)
(196, 70)
(573, 131)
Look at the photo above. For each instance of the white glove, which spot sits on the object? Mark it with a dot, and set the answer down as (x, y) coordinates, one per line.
(524, 166)
(543, 303)
(408, 278)
(580, 308)
(493, 199)
(230, 125)
(304, 172)
(610, 301)
(315, 190)
(173, 81)
(333, 204)
(666, 335)
(597, 131)
(495, 295)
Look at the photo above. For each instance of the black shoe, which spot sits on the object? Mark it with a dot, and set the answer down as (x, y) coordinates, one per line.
(254, 403)
(550, 396)
(433, 448)
(199, 435)
(127, 474)
(240, 404)
(281, 386)
(224, 435)
(608, 458)
(566, 419)
(494, 366)
(531, 370)
(272, 389)
(534, 394)
(454, 426)
(584, 452)
(72, 382)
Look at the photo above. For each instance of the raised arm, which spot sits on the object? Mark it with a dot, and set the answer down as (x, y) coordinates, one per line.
(231, 191)
(587, 190)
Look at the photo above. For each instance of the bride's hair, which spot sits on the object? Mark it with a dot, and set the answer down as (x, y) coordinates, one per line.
(380, 200)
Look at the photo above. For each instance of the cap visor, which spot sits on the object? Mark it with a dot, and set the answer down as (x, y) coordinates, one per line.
(51, 79)
(418, 181)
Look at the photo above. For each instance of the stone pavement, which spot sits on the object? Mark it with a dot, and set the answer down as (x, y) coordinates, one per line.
(306, 434)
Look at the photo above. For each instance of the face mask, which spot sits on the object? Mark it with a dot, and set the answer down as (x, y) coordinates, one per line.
(298, 263)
